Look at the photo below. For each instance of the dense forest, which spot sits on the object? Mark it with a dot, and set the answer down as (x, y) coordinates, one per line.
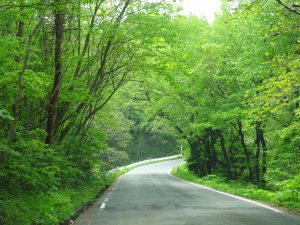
(89, 85)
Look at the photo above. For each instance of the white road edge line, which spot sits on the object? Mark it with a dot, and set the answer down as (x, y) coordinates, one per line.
(102, 206)
(106, 199)
(224, 193)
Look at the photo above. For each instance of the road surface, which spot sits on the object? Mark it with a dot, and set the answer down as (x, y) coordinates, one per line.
(149, 196)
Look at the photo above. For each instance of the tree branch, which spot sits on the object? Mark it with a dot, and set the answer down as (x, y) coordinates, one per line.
(288, 8)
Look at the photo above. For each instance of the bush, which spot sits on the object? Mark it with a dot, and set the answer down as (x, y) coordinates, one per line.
(31, 165)
(290, 193)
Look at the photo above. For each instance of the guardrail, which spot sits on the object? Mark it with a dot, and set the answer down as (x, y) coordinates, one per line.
(144, 162)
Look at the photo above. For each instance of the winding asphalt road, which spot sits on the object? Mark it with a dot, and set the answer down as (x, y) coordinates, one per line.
(149, 196)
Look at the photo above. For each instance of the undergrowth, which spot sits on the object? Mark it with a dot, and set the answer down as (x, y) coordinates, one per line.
(49, 207)
(287, 196)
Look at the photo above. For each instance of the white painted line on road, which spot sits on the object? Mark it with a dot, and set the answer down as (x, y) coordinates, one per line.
(224, 193)
(102, 206)
(106, 199)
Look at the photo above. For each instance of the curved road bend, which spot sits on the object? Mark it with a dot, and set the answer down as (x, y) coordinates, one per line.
(149, 196)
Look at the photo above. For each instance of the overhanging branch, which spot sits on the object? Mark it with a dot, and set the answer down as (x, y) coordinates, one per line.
(288, 8)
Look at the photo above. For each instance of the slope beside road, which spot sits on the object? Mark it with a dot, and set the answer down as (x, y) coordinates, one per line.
(148, 195)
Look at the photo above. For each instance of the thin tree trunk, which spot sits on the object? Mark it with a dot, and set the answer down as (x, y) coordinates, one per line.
(261, 143)
(52, 110)
(258, 148)
(87, 38)
(212, 137)
(247, 154)
(12, 133)
(15, 108)
(208, 156)
(195, 161)
(231, 157)
(264, 150)
(98, 108)
(225, 155)
(100, 73)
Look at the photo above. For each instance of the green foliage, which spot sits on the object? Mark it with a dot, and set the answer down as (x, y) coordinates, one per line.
(112, 158)
(232, 93)
(136, 79)
(29, 165)
(287, 196)
(4, 114)
(79, 161)
(48, 207)
(289, 192)
(102, 47)
(148, 145)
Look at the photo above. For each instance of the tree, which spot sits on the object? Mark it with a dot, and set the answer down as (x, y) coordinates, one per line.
(54, 96)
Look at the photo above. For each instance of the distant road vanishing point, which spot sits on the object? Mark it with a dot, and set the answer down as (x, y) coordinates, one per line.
(148, 195)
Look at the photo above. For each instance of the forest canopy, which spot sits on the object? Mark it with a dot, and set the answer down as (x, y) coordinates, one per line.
(89, 85)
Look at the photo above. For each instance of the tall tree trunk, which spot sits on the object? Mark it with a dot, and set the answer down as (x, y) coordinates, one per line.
(52, 110)
(247, 154)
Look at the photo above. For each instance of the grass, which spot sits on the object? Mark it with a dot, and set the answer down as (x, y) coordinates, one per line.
(250, 191)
